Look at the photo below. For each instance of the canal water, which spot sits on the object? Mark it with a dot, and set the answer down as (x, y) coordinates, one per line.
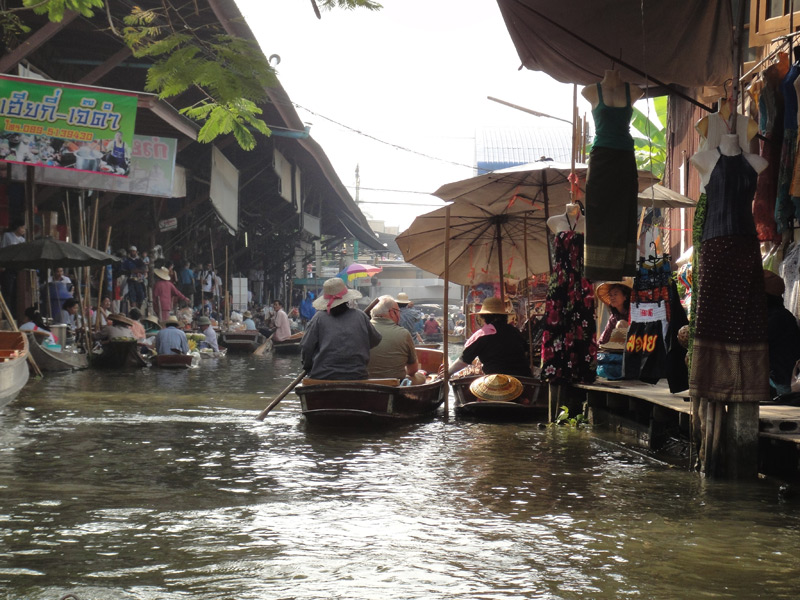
(161, 485)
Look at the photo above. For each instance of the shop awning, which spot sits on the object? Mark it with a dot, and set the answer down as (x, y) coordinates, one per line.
(686, 43)
(361, 233)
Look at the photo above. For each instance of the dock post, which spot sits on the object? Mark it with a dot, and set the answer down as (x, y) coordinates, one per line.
(741, 448)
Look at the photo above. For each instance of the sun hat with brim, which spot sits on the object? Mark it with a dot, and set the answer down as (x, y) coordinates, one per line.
(247, 314)
(773, 283)
(402, 298)
(153, 320)
(496, 388)
(619, 337)
(334, 293)
(172, 320)
(118, 318)
(204, 321)
(492, 306)
(602, 290)
(161, 272)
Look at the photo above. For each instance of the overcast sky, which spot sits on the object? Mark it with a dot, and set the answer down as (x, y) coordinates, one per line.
(401, 92)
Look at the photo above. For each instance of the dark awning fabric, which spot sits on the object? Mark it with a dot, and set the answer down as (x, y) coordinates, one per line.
(361, 233)
(685, 42)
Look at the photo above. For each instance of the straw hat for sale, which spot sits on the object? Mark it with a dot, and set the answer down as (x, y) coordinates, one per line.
(492, 306)
(619, 337)
(118, 318)
(601, 291)
(773, 283)
(334, 293)
(162, 272)
(496, 388)
(402, 299)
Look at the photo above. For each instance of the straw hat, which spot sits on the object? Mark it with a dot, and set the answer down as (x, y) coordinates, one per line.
(619, 338)
(492, 306)
(496, 388)
(162, 272)
(204, 321)
(247, 314)
(601, 291)
(118, 318)
(152, 319)
(334, 293)
(773, 283)
(172, 320)
(402, 298)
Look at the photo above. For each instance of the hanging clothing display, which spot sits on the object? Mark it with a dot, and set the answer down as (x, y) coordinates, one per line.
(730, 360)
(569, 343)
(789, 270)
(646, 350)
(611, 194)
(786, 208)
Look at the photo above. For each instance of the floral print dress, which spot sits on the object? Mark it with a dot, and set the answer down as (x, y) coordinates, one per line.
(569, 343)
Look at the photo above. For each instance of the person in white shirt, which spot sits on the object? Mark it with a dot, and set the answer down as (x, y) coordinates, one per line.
(283, 329)
(16, 235)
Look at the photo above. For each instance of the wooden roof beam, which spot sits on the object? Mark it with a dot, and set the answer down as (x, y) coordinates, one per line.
(103, 69)
(33, 42)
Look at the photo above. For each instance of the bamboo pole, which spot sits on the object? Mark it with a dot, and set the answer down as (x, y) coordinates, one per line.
(225, 287)
(445, 340)
(527, 291)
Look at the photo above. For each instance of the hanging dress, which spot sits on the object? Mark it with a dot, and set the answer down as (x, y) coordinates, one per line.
(730, 361)
(786, 207)
(569, 343)
(611, 194)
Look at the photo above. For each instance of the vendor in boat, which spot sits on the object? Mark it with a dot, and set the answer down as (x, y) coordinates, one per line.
(338, 339)
(171, 340)
(151, 325)
(498, 345)
(33, 321)
(163, 292)
(69, 314)
(248, 322)
(395, 356)
(617, 296)
(135, 315)
(205, 327)
(119, 327)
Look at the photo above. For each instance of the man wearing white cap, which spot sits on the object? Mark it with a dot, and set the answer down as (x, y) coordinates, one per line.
(409, 317)
(338, 339)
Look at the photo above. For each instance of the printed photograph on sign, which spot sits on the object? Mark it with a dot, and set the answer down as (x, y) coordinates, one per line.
(66, 126)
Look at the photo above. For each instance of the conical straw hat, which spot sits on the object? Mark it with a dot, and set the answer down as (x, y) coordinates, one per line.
(496, 388)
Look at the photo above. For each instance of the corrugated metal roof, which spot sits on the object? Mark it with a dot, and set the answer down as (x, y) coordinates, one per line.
(497, 148)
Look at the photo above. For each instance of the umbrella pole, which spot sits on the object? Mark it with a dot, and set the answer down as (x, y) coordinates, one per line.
(546, 217)
(49, 303)
(445, 340)
(498, 239)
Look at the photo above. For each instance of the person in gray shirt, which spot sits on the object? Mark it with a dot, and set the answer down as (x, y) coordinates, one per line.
(338, 339)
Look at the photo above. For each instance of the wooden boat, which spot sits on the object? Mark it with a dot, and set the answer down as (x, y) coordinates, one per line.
(531, 405)
(455, 338)
(53, 360)
(13, 364)
(378, 401)
(245, 341)
(432, 346)
(118, 354)
(172, 361)
(289, 345)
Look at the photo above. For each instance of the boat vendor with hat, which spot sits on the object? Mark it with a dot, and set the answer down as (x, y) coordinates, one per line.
(498, 345)
(204, 324)
(171, 338)
(617, 296)
(338, 339)
(496, 388)
(163, 292)
(119, 326)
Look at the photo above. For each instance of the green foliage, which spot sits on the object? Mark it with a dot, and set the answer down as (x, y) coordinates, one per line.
(563, 418)
(222, 119)
(349, 4)
(649, 137)
(55, 8)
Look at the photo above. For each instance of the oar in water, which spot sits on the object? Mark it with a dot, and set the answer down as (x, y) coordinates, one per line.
(281, 396)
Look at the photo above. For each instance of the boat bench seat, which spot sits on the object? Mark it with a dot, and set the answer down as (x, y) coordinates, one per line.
(394, 382)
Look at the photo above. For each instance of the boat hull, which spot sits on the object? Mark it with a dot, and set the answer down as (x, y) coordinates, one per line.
(172, 361)
(288, 346)
(242, 341)
(119, 355)
(51, 361)
(530, 406)
(14, 369)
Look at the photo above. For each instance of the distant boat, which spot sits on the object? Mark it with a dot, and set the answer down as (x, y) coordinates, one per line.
(245, 341)
(118, 354)
(14, 364)
(531, 405)
(290, 345)
(53, 360)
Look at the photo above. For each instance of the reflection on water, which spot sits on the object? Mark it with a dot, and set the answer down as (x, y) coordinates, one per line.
(161, 485)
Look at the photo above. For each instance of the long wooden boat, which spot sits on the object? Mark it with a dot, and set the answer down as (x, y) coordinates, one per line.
(13, 364)
(242, 341)
(289, 345)
(369, 401)
(172, 361)
(455, 338)
(118, 354)
(531, 405)
(53, 360)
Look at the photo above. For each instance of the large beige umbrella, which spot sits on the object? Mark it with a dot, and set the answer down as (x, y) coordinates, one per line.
(659, 196)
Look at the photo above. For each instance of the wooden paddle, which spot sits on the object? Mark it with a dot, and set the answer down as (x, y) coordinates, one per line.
(263, 347)
(303, 373)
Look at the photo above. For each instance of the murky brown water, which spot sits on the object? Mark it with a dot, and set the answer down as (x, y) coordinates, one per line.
(160, 485)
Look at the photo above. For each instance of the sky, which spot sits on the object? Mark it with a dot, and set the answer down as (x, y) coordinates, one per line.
(401, 92)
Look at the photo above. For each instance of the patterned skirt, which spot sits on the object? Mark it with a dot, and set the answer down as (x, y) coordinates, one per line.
(730, 358)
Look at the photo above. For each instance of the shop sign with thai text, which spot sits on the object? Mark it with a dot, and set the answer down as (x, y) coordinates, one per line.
(66, 126)
(168, 224)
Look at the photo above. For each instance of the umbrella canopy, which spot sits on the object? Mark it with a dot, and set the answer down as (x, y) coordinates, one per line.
(356, 270)
(47, 253)
(659, 196)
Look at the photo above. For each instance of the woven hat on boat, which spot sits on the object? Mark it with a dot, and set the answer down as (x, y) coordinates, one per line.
(773, 283)
(152, 319)
(402, 298)
(601, 291)
(162, 273)
(492, 306)
(172, 320)
(496, 388)
(247, 314)
(334, 293)
(619, 337)
(118, 318)
(204, 321)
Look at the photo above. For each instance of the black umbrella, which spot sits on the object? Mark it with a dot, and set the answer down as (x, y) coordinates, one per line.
(47, 253)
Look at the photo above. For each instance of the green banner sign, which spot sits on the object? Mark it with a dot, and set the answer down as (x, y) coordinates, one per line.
(66, 126)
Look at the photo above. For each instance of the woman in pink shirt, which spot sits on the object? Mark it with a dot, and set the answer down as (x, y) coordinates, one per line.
(163, 291)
